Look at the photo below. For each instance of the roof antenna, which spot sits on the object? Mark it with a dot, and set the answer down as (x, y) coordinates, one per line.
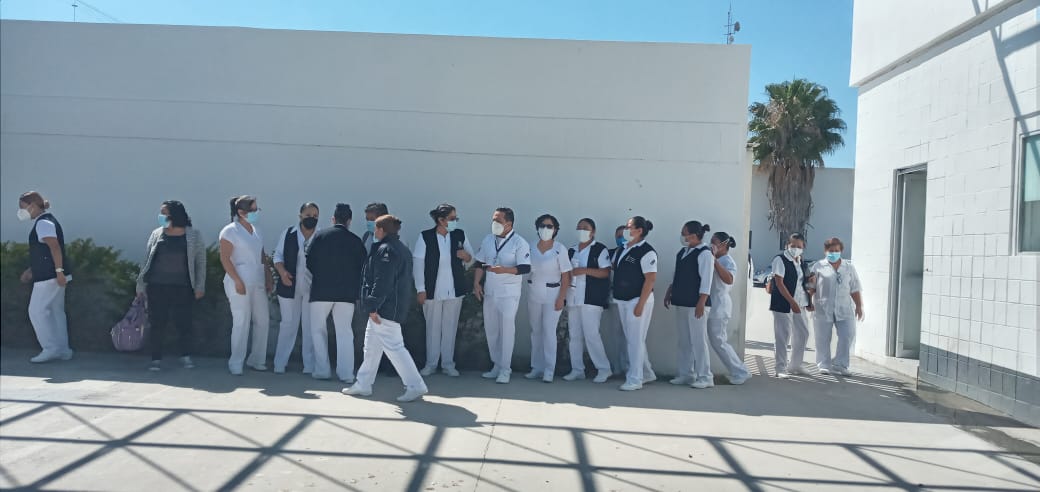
(731, 27)
(74, 6)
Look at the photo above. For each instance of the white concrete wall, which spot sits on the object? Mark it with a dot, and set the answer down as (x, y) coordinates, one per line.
(962, 113)
(108, 120)
(831, 215)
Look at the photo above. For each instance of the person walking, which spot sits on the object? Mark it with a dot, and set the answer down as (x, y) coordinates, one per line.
(722, 308)
(50, 272)
(788, 302)
(838, 305)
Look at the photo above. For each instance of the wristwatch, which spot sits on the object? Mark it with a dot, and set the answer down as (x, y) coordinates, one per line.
(59, 270)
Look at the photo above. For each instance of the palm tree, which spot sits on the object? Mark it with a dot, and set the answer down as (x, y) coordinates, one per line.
(790, 134)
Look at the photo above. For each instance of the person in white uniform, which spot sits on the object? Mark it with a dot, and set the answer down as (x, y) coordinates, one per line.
(546, 296)
(293, 289)
(49, 272)
(247, 282)
(635, 271)
(441, 255)
(722, 308)
(788, 303)
(505, 257)
(690, 292)
(838, 304)
(586, 299)
(613, 318)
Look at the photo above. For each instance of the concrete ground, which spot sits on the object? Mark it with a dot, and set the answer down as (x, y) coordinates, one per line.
(101, 422)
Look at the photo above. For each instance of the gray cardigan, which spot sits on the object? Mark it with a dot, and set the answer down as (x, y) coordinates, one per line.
(196, 259)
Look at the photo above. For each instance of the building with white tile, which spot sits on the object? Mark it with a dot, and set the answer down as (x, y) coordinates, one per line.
(947, 193)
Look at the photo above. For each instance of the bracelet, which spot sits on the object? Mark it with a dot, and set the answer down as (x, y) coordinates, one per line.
(59, 270)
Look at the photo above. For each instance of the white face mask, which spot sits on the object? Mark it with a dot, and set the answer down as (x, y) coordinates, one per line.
(627, 234)
(683, 242)
(497, 229)
(794, 252)
(545, 234)
(24, 215)
(584, 236)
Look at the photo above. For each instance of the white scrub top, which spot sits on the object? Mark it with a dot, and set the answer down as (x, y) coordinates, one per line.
(547, 268)
(834, 288)
(445, 288)
(302, 276)
(721, 303)
(509, 251)
(576, 295)
(248, 248)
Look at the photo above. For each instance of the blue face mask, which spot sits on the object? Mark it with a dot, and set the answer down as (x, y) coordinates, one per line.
(620, 242)
(370, 225)
(164, 221)
(833, 257)
(452, 225)
(253, 217)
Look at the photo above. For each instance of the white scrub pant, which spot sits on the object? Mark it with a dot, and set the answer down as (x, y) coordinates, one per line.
(846, 329)
(693, 359)
(47, 314)
(718, 335)
(636, 328)
(544, 320)
(249, 313)
(294, 311)
(500, 328)
(385, 338)
(342, 316)
(793, 327)
(583, 324)
(442, 324)
(617, 331)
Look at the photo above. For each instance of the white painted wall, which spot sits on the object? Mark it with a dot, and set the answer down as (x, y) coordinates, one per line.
(108, 120)
(962, 113)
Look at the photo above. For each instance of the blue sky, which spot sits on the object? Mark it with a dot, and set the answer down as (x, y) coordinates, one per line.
(790, 38)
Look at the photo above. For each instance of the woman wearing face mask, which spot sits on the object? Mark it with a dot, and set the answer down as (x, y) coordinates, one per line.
(635, 270)
(690, 292)
(293, 289)
(438, 268)
(172, 279)
(617, 331)
(788, 302)
(586, 299)
(247, 283)
(49, 271)
(722, 308)
(838, 305)
(550, 271)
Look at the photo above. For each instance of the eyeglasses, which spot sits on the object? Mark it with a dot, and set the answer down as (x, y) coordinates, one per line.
(546, 226)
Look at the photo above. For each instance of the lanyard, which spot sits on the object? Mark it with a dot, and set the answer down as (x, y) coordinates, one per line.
(498, 248)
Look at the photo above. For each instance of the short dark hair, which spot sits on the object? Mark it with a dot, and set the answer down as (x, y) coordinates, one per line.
(389, 224)
(343, 214)
(696, 228)
(796, 237)
(508, 212)
(377, 208)
(555, 223)
(441, 212)
(307, 205)
(590, 222)
(178, 216)
(641, 222)
(833, 242)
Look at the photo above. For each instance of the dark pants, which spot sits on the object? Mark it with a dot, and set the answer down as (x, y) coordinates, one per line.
(166, 302)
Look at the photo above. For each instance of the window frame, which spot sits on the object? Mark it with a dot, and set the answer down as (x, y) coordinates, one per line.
(1018, 190)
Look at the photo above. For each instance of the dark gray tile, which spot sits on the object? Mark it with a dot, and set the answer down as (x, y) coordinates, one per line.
(984, 374)
(1027, 390)
(944, 366)
(1009, 385)
(962, 370)
(996, 381)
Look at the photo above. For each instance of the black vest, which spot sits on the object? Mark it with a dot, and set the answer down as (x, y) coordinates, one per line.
(433, 262)
(777, 303)
(40, 260)
(597, 290)
(628, 272)
(290, 254)
(686, 283)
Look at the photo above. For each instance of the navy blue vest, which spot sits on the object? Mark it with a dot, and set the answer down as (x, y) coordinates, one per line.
(686, 283)
(777, 303)
(628, 272)
(290, 254)
(40, 260)
(597, 290)
(433, 262)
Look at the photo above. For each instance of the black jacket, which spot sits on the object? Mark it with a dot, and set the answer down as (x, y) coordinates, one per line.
(335, 257)
(387, 288)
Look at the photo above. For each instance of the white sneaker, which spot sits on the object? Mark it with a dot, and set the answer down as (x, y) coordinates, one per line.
(279, 370)
(356, 391)
(533, 374)
(548, 378)
(43, 357)
(412, 394)
(235, 372)
(739, 381)
(67, 355)
(348, 380)
(187, 363)
(650, 379)
(503, 378)
(155, 366)
(704, 383)
(630, 387)
(798, 371)
(492, 374)
(451, 371)
(783, 375)
(427, 371)
(574, 376)
(825, 371)
(682, 381)
(258, 367)
(844, 371)
(602, 376)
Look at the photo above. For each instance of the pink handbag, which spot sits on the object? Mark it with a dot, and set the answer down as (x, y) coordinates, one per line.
(128, 333)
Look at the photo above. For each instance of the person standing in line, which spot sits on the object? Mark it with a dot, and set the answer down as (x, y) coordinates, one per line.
(293, 289)
(635, 271)
(386, 298)
(247, 282)
(505, 257)
(586, 299)
(372, 212)
(690, 292)
(172, 279)
(617, 333)
(546, 297)
(722, 308)
(49, 271)
(838, 305)
(335, 257)
(440, 258)
(788, 303)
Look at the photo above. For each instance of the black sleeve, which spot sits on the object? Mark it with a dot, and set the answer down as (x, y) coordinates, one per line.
(523, 269)
(383, 265)
(311, 253)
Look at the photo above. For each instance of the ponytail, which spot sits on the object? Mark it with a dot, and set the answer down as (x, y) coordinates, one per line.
(696, 228)
(726, 239)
